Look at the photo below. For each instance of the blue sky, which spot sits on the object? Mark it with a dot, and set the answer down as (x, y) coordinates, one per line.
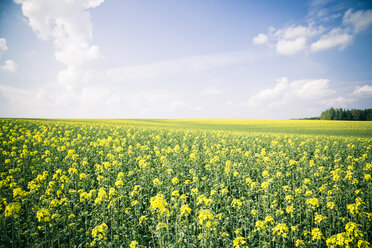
(183, 59)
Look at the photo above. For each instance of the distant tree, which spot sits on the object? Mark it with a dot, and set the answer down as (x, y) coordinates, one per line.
(345, 114)
(369, 115)
(356, 114)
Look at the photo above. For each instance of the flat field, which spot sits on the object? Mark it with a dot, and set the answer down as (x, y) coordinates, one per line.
(185, 183)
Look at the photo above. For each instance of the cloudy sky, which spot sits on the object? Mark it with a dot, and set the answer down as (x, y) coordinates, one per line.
(183, 59)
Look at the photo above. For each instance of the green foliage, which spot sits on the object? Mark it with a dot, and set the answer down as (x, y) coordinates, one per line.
(347, 115)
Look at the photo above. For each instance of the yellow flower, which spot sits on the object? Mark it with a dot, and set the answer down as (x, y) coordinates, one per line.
(289, 198)
(299, 243)
(100, 231)
(133, 244)
(316, 234)
(72, 171)
(224, 191)
(158, 203)
(281, 230)
(238, 242)
(290, 209)
(156, 182)
(260, 225)
(265, 173)
(18, 192)
(269, 219)
(119, 183)
(265, 185)
(313, 202)
(236, 203)
(363, 244)
(161, 225)
(331, 205)
(85, 196)
(202, 199)
(352, 230)
(194, 191)
(192, 156)
(142, 219)
(102, 195)
(175, 180)
(205, 215)
(12, 209)
(340, 239)
(82, 176)
(43, 215)
(175, 193)
(319, 218)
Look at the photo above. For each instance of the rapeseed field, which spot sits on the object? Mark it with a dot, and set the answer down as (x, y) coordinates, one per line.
(185, 183)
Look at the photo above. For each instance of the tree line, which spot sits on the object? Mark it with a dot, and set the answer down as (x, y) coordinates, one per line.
(346, 114)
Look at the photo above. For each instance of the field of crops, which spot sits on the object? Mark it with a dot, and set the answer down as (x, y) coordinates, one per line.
(185, 183)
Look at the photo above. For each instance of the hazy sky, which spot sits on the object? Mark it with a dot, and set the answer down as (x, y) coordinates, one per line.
(184, 58)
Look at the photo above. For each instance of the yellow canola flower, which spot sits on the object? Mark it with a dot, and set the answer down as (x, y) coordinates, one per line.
(12, 209)
(269, 219)
(205, 214)
(19, 193)
(100, 231)
(142, 219)
(158, 203)
(313, 202)
(236, 203)
(72, 171)
(82, 176)
(316, 234)
(133, 244)
(331, 205)
(340, 239)
(161, 225)
(156, 182)
(319, 218)
(260, 225)
(238, 241)
(299, 243)
(119, 183)
(352, 230)
(281, 229)
(363, 244)
(43, 215)
(185, 210)
(175, 180)
(202, 199)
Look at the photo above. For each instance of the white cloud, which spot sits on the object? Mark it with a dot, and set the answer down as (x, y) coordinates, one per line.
(337, 102)
(306, 97)
(68, 24)
(361, 91)
(290, 47)
(336, 37)
(212, 91)
(296, 38)
(293, 39)
(360, 19)
(192, 64)
(3, 46)
(291, 94)
(294, 32)
(9, 66)
(260, 39)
